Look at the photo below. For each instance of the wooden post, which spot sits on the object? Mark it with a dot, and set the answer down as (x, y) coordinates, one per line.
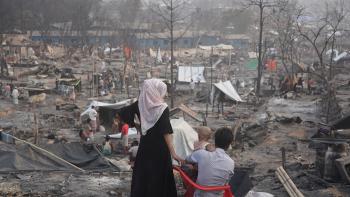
(36, 129)
(93, 79)
(90, 85)
(229, 60)
(283, 150)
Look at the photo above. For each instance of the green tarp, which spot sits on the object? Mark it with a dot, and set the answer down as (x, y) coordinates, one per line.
(252, 64)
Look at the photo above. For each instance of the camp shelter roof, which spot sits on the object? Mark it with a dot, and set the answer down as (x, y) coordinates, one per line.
(25, 158)
(236, 37)
(219, 46)
(117, 105)
(228, 89)
(107, 112)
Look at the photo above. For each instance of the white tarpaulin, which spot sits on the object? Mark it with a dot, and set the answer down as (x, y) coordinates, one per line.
(152, 53)
(228, 89)
(159, 56)
(184, 137)
(108, 50)
(110, 105)
(337, 58)
(186, 73)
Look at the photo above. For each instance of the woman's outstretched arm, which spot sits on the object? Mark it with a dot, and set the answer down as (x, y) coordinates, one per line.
(169, 141)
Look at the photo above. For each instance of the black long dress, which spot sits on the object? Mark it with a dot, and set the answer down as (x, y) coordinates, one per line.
(153, 175)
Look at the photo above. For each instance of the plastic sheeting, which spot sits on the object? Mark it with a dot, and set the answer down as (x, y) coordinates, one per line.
(343, 123)
(252, 64)
(118, 105)
(26, 158)
(186, 73)
(258, 194)
(228, 89)
(184, 137)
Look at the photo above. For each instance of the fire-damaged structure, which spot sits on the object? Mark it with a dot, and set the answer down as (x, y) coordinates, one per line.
(333, 150)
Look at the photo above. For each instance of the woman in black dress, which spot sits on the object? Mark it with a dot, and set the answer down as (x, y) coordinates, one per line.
(153, 174)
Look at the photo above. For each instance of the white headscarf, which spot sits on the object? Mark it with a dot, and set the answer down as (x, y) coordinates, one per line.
(151, 103)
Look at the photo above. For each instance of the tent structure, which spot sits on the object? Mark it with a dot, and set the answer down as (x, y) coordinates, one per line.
(228, 89)
(107, 110)
(186, 73)
(117, 105)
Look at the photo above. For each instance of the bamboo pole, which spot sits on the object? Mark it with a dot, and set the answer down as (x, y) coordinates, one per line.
(49, 153)
(284, 173)
(285, 185)
(36, 129)
(287, 182)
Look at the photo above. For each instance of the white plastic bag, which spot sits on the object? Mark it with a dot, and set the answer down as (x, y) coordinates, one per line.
(252, 193)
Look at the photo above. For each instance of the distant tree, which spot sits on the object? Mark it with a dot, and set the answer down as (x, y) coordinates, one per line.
(129, 23)
(321, 35)
(123, 21)
(174, 15)
(83, 18)
(284, 19)
(262, 5)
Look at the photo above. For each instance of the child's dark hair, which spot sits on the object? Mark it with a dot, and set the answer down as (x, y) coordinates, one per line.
(223, 138)
(51, 136)
(135, 143)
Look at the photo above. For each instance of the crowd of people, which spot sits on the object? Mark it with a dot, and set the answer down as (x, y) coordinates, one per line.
(108, 82)
(9, 91)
